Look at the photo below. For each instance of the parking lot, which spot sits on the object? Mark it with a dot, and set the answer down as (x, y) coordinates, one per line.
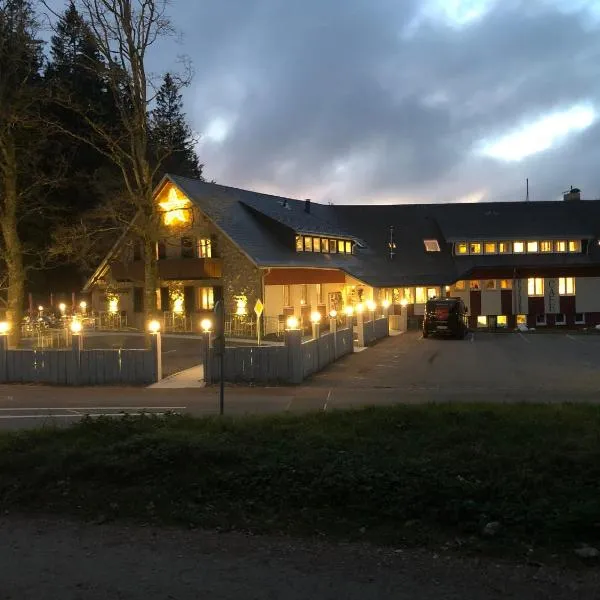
(534, 366)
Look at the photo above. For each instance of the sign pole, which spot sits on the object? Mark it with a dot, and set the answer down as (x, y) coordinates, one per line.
(258, 310)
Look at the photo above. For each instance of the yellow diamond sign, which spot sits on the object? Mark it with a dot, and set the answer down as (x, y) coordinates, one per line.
(258, 308)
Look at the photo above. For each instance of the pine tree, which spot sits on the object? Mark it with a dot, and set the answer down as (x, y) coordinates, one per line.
(171, 137)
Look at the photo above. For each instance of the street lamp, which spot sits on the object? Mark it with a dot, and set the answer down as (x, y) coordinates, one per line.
(83, 305)
(206, 325)
(292, 322)
(333, 313)
(315, 317)
(76, 327)
(154, 326)
(62, 307)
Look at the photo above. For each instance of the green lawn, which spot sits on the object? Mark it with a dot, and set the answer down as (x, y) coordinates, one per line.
(402, 475)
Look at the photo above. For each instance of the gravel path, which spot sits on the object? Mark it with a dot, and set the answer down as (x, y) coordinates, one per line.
(46, 559)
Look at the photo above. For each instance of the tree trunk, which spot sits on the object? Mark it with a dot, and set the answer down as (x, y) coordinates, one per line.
(150, 281)
(13, 255)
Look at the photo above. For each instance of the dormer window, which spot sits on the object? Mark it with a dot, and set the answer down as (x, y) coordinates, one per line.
(325, 245)
(431, 245)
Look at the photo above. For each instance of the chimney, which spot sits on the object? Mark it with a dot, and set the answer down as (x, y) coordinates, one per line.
(573, 194)
(307, 205)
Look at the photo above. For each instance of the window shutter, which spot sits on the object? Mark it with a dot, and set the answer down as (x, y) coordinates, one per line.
(138, 299)
(161, 250)
(189, 299)
(164, 299)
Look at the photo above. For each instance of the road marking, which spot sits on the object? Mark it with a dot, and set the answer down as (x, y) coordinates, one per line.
(472, 338)
(72, 416)
(327, 400)
(573, 339)
(524, 338)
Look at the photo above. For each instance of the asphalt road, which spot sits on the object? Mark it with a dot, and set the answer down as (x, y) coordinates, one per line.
(406, 369)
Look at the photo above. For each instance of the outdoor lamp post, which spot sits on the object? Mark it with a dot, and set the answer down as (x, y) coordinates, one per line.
(333, 321)
(403, 315)
(315, 319)
(292, 323)
(360, 324)
(349, 312)
(386, 307)
(76, 336)
(156, 345)
(63, 308)
(371, 306)
(206, 326)
(4, 331)
(83, 306)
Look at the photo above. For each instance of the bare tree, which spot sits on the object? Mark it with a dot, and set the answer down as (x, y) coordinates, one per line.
(124, 31)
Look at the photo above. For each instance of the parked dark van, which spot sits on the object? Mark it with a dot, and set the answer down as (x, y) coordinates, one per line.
(445, 316)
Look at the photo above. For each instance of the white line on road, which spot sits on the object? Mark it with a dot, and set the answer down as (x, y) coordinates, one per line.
(472, 338)
(524, 338)
(573, 339)
(72, 416)
(326, 401)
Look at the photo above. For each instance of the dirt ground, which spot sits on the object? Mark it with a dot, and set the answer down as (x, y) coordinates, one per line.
(46, 559)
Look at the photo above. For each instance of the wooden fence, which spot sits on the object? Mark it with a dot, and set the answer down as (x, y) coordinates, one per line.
(76, 366)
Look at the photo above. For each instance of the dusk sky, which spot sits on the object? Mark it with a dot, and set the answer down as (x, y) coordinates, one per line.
(394, 100)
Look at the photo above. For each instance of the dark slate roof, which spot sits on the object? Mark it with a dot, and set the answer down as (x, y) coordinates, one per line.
(253, 220)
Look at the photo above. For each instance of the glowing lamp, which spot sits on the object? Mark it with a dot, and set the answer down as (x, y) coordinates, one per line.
(403, 302)
(76, 327)
(447, 288)
(62, 307)
(386, 304)
(292, 322)
(83, 305)
(333, 313)
(4, 327)
(360, 308)
(240, 306)
(315, 317)
(206, 325)
(154, 326)
(40, 308)
(371, 305)
(349, 311)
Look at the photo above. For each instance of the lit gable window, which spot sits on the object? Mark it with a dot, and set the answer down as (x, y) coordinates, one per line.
(431, 245)
(462, 248)
(574, 246)
(532, 247)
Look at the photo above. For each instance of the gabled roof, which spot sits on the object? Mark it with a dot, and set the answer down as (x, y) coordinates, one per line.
(243, 216)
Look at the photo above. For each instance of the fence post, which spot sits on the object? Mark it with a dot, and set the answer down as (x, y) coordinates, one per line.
(316, 330)
(293, 343)
(3, 352)
(360, 325)
(206, 357)
(76, 348)
(156, 349)
(333, 330)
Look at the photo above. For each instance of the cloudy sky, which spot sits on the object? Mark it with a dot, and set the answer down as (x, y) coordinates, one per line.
(394, 100)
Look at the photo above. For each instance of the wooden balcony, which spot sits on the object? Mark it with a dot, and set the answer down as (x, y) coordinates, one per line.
(169, 269)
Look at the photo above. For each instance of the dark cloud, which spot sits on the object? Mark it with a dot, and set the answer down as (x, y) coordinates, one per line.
(350, 100)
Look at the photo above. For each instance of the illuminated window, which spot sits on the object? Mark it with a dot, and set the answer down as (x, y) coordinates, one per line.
(316, 244)
(332, 246)
(175, 207)
(204, 248)
(506, 284)
(206, 298)
(460, 285)
(535, 286)
(540, 319)
(491, 247)
(518, 247)
(579, 318)
(521, 319)
(502, 321)
(431, 245)
(431, 293)
(489, 284)
(482, 321)
(308, 244)
(532, 247)
(546, 246)
(560, 246)
(475, 248)
(420, 295)
(324, 245)
(574, 246)
(503, 247)
(303, 294)
(461, 248)
(299, 244)
(348, 247)
(566, 286)
(341, 247)
(560, 319)
(409, 295)
(475, 284)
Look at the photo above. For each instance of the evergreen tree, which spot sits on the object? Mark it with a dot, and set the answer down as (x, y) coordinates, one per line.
(171, 137)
